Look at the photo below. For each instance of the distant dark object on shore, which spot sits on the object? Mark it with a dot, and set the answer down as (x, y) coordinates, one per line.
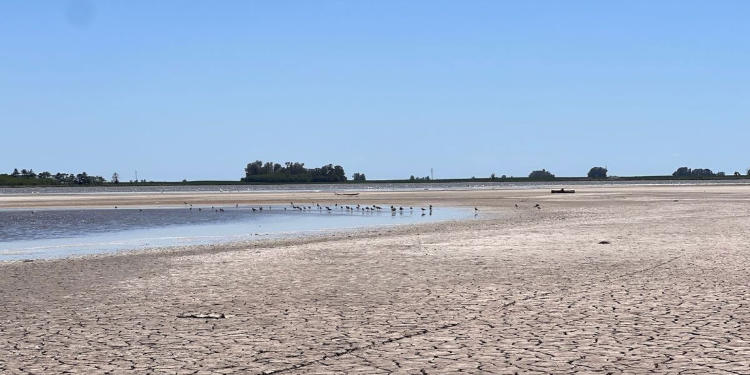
(202, 315)
(349, 194)
(562, 191)
(604, 242)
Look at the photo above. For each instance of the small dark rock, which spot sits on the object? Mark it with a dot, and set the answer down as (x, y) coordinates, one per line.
(603, 242)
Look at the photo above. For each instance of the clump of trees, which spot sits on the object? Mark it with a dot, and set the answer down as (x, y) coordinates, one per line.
(271, 172)
(598, 172)
(425, 178)
(541, 175)
(359, 177)
(698, 172)
(29, 177)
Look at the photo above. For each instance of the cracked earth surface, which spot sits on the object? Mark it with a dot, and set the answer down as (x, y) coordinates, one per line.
(517, 290)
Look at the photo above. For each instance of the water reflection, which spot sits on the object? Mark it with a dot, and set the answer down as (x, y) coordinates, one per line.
(64, 232)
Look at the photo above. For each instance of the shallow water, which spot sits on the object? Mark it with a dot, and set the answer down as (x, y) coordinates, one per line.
(56, 233)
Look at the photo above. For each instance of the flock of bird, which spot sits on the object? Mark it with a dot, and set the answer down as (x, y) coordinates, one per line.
(357, 208)
(318, 207)
(346, 208)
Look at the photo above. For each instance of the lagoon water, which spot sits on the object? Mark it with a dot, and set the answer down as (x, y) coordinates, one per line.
(55, 233)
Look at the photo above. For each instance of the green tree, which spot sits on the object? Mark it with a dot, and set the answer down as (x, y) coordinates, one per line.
(254, 168)
(268, 168)
(700, 172)
(83, 179)
(598, 172)
(697, 172)
(292, 172)
(682, 172)
(359, 177)
(541, 175)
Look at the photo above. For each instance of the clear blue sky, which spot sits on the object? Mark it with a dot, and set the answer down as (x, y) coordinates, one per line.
(196, 89)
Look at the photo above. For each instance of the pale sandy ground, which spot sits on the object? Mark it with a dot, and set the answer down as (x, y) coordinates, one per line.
(515, 290)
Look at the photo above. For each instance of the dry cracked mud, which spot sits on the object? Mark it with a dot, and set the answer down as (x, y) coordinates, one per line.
(516, 290)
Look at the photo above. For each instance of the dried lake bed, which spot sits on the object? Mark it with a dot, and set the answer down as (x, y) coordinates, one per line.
(527, 286)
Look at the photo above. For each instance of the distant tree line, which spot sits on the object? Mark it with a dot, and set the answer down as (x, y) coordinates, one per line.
(271, 172)
(688, 172)
(29, 177)
(697, 172)
(542, 174)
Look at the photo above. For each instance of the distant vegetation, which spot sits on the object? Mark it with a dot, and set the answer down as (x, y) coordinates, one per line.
(541, 175)
(29, 177)
(292, 172)
(598, 172)
(698, 172)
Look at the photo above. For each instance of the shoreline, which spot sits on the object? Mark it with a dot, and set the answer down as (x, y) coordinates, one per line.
(270, 240)
(443, 196)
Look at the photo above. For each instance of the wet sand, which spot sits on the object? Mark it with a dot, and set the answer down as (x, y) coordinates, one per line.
(522, 289)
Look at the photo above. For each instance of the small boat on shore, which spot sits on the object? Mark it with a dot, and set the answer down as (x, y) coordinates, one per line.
(563, 191)
(347, 194)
